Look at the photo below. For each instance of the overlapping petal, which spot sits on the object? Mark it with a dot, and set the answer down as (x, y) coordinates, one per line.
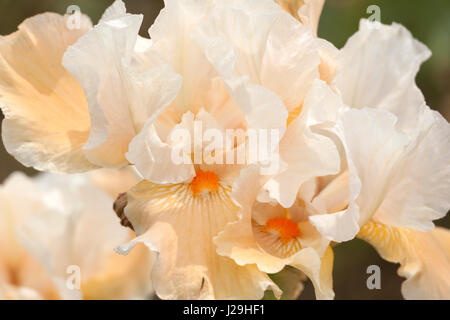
(46, 116)
(238, 240)
(61, 222)
(180, 226)
(121, 94)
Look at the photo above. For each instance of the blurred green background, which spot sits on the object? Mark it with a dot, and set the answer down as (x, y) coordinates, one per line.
(429, 22)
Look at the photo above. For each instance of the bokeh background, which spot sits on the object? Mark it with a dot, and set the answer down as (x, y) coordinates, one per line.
(429, 21)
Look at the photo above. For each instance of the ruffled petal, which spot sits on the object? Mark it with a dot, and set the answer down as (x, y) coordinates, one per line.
(424, 257)
(239, 241)
(418, 190)
(239, 62)
(172, 44)
(290, 61)
(83, 233)
(122, 94)
(306, 11)
(397, 179)
(377, 69)
(306, 154)
(180, 227)
(46, 116)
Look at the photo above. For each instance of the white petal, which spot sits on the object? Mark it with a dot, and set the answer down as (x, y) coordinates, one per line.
(374, 147)
(290, 62)
(153, 158)
(377, 68)
(114, 11)
(418, 191)
(310, 13)
(172, 44)
(305, 153)
(122, 93)
(238, 61)
(96, 61)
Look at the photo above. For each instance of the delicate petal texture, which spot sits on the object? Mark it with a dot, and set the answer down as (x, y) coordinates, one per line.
(373, 147)
(180, 227)
(339, 226)
(121, 96)
(377, 68)
(70, 222)
(154, 158)
(418, 191)
(307, 11)
(323, 106)
(310, 12)
(424, 257)
(46, 116)
(397, 169)
(328, 61)
(239, 242)
(305, 153)
(404, 179)
(335, 196)
(21, 276)
(239, 62)
(290, 61)
(114, 11)
(173, 44)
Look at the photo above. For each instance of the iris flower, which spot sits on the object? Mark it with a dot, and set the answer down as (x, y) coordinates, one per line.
(57, 235)
(357, 152)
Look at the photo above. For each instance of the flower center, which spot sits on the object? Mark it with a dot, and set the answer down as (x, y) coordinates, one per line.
(204, 181)
(286, 229)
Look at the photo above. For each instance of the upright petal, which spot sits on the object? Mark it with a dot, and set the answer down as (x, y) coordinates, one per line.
(122, 94)
(172, 44)
(46, 116)
(404, 179)
(224, 39)
(306, 154)
(306, 11)
(373, 147)
(418, 191)
(377, 69)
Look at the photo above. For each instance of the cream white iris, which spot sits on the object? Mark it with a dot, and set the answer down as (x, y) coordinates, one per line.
(360, 152)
